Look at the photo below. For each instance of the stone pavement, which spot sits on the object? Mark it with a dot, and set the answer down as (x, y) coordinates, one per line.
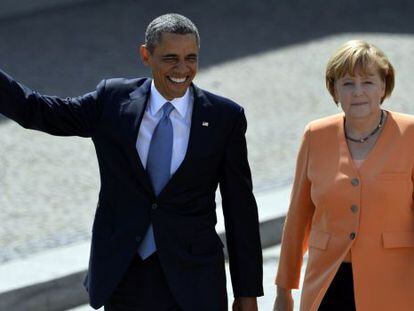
(49, 185)
(269, 57)
(51, 280)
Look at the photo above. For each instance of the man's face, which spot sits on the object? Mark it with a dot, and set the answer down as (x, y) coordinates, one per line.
(173, 63)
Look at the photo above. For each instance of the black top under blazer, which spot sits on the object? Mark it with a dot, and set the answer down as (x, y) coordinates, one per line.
(184, 213)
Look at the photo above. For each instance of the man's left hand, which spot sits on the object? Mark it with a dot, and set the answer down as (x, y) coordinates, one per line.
(245, 304)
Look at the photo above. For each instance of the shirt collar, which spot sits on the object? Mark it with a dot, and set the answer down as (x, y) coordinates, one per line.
(181, 104)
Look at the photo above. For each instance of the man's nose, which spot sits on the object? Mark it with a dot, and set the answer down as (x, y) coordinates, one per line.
(181, 67)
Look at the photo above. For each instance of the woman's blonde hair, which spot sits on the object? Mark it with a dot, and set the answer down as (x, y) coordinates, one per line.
(358, 54)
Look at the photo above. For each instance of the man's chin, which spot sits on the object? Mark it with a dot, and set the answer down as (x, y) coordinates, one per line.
(177, 93)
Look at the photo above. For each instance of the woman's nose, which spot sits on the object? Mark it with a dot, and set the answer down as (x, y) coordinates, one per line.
(357, 90)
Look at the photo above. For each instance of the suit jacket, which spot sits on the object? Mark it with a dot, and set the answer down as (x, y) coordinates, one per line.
(336, 208)
(183, 214)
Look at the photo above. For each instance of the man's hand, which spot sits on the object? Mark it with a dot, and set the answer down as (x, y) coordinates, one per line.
(245, 304)
(284, 300)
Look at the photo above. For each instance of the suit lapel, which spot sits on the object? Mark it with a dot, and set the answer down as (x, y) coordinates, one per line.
(200, 133)
(201, 123)
(132, 112)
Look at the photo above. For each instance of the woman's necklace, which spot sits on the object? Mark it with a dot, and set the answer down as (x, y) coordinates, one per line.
(375, 131)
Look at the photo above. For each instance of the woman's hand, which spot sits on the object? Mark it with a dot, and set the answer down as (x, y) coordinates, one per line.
(284, 300)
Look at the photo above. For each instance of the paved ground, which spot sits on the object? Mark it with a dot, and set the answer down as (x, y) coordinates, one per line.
(56, 263)
(49, 185)
(269, 57)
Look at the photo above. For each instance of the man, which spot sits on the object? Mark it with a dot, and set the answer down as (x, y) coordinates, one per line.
(163, 147)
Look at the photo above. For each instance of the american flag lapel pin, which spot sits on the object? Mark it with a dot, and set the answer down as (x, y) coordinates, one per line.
(204, 123)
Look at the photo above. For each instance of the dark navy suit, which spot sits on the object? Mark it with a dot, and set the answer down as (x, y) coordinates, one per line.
(183, 215)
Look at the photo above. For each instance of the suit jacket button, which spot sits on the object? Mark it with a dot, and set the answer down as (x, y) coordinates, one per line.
(138, 238)
(355, 182)
(352, 235)
(354, 208)
(154, 206)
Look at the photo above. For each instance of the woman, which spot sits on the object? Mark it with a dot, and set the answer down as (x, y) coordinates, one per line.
(352, 198)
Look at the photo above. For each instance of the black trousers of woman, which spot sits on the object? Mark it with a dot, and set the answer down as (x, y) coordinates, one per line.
(340, 294)
(143, 288)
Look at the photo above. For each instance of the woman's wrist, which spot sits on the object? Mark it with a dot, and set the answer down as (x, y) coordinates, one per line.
(281, 290)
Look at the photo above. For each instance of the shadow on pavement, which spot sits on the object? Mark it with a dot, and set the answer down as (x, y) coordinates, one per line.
(66, 51)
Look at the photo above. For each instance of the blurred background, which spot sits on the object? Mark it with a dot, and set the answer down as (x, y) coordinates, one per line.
(267, 55)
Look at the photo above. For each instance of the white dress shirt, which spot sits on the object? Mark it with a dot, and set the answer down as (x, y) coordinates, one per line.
(181, 123)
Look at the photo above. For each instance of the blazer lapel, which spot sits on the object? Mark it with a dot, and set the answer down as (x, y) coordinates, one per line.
(132, 112)
(202, 124)
(200, 134)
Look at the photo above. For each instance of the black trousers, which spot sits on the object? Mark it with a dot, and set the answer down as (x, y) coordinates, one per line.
(143, 288)
(340, 294)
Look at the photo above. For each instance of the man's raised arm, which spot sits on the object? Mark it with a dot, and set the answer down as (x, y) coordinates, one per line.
(63, 117)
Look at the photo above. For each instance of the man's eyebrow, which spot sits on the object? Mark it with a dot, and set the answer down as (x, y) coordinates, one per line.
(170, 55)
(192, 55)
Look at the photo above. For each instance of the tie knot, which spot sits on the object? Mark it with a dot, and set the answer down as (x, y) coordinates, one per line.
(166, 109)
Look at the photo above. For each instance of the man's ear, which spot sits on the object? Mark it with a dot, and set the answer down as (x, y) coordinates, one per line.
(145, 54)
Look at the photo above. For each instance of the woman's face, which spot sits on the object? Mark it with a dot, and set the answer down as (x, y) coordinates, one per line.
(360, 95)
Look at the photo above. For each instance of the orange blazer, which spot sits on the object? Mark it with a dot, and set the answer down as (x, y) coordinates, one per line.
(336, 208)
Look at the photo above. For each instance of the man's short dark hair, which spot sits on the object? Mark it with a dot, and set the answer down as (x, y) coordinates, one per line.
(169, 23)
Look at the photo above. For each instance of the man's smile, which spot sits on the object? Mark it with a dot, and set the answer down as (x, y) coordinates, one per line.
(177, 80)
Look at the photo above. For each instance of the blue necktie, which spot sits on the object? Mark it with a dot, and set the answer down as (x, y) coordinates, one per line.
(158, 168)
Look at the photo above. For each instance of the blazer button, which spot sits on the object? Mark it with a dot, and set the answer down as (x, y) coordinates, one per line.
(355, 182)
(138, 238)
(354, 208)
(154, 206)
(352, 235)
